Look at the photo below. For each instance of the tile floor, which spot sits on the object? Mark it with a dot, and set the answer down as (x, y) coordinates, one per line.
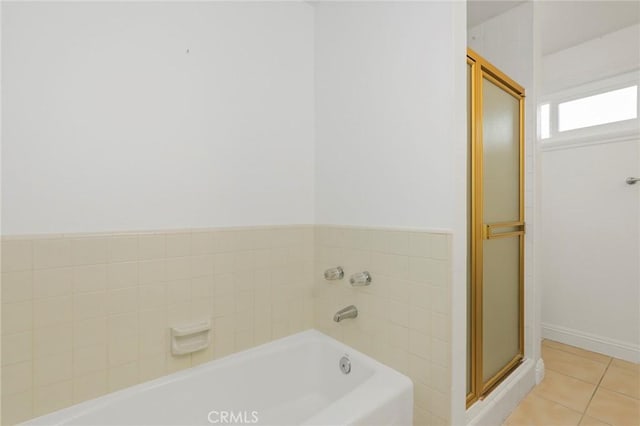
(581, 388)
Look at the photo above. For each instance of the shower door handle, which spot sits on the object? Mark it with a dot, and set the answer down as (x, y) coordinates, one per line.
(632, 180)
(509, 229)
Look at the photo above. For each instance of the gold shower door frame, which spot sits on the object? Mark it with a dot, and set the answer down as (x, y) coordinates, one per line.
(479, 232)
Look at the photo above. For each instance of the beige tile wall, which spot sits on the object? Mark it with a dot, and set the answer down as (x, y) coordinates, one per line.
(404, 315)
(83, 315)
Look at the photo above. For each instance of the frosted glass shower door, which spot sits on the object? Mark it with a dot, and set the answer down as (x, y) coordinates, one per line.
(503, 229)
(496, 227)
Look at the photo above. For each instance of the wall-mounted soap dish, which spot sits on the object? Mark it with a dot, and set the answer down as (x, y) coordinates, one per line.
(189, 338)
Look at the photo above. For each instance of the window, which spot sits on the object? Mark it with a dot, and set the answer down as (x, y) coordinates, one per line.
(545, 123)
(608, 107)
(605, 107)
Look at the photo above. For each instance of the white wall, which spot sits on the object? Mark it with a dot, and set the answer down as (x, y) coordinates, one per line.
(391, 130)
(591, 247)
(110, 125)
(385, 151)
(590, 217)
(510, 41)
(224, 135)
(507, 41)
(603, 57)
(1, 253)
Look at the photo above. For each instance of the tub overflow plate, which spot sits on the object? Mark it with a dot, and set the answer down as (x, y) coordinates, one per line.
(345, 365)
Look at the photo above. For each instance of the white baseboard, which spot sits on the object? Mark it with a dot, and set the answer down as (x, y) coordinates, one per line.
(591, 342)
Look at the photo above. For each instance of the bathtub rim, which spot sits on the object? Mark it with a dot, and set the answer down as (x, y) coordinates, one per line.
(385, 383)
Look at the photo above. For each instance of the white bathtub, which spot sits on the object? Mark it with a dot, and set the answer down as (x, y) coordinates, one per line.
(296, 380)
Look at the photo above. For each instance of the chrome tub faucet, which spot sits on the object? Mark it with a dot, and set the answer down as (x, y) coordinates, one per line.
(344, 313)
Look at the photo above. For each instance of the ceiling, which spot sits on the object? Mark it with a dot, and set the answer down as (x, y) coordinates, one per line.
(564, 23)
(479, 11)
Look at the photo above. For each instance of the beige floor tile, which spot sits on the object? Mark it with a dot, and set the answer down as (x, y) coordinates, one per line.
(572, 365)
(593, 356)
(536, 411)
(625, 364)
(565, 390)
(623, 381)
(590, 421)
(614, 408)
(572, 376)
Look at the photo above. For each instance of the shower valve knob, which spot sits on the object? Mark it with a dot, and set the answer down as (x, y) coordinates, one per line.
(333, 274)
(360, 279)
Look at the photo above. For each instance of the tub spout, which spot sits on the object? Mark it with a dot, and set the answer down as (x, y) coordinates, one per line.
(344, 313)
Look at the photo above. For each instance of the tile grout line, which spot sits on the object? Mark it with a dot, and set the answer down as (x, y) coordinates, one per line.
(581, 356)
(608, 363)
(597, 385)
(584, 413)
(559, 403)
(624, 395)
(32, 354)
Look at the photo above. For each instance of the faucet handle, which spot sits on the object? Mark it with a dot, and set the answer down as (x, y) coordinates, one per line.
(332, 274)
(360, 279)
